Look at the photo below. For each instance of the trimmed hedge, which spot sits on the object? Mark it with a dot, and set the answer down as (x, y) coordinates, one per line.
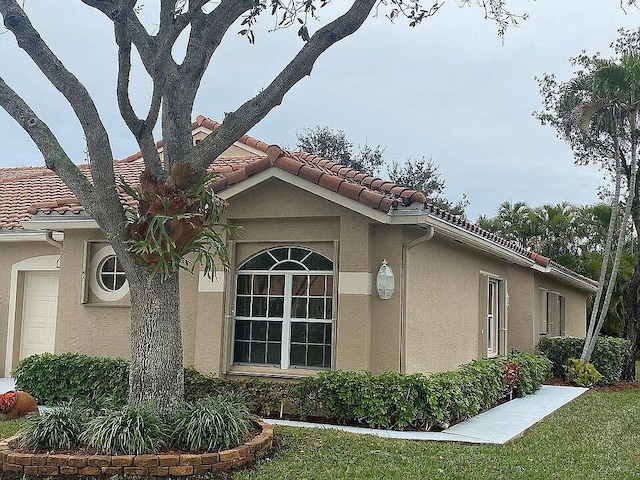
(389, 400)
(53, 379)
(609, 355)
(419, 401)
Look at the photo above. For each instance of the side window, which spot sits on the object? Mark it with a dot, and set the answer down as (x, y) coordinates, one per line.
(492, 326)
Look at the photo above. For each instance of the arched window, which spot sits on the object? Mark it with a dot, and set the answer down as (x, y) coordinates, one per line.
(284, 309)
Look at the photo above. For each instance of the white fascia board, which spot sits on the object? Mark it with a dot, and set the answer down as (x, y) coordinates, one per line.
(61, 224)
(475, 241)
(478, 242)
(575, 282)
(29, 237)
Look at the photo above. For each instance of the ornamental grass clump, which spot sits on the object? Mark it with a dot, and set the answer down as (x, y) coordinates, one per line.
(128, 431)
(210, 424)
(58, 429)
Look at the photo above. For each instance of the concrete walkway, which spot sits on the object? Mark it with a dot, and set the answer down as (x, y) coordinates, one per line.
(7, 384)
(496, 426)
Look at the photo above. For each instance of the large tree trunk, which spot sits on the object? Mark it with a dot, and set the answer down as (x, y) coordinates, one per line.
(157, 375)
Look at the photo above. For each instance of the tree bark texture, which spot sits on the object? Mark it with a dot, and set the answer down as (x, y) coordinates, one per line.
(157, 375)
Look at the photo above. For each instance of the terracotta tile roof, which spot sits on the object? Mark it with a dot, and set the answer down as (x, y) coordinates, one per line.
(27, 190)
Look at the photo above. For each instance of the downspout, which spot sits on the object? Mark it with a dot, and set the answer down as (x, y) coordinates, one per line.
(48, 237)
(403, 291)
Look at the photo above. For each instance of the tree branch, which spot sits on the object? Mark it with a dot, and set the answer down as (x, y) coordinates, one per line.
(54, 155)
(142, 130)
(207, 31)
(251, 112)
(144, 42)
(76, 94)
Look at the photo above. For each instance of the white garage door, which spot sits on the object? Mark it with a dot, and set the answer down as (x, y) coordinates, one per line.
(39, 313)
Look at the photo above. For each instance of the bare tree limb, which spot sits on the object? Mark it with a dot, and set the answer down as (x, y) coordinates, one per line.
(144, 42)
(207, 31)
(251, 112)
(142, 130)
(76, 94)
(54, 155)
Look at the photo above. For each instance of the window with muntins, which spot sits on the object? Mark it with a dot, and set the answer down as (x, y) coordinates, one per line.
(284, 310)
(493, 316)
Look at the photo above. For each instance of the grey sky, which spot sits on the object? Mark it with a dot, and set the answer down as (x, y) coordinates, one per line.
(448, 89)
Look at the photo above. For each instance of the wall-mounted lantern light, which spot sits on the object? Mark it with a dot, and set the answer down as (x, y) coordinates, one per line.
(384, 281)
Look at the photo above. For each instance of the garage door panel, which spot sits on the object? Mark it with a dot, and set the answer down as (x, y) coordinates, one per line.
(39, 313)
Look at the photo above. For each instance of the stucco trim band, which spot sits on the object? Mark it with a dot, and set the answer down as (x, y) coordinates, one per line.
(208, 284)
(355, 283)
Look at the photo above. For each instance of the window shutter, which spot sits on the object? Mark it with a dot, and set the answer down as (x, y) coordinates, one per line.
(553, 314)
(482, 316)
(543, 320)
(84, 279)
(502, 319)
(561, 311)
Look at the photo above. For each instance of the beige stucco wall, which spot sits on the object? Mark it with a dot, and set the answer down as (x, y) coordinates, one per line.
(10, 254)
(276, 213)
(443, 298)
(93, 329)
(385, 314)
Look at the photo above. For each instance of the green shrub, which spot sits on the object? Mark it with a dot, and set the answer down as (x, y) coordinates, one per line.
(53, 379)
(210, 424)
(127, 431)
(261, 396)
(582, 374)
(608, 357)
(399, 401)
(58, 429)
(534, 369)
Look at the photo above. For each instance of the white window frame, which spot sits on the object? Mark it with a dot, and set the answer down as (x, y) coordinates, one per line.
(493, 316)
(287, 320)
(95, 282)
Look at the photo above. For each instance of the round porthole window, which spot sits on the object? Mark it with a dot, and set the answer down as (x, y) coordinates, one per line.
(107, 279)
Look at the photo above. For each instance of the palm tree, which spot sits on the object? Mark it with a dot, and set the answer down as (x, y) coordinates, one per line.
(603, 103)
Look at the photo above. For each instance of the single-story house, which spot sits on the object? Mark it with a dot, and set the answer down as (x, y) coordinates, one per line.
(334, 269)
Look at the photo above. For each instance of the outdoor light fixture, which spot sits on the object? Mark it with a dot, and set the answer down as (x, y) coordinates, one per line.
(384, 281)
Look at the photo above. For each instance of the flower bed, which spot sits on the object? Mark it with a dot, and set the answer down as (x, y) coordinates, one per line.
(157, 465)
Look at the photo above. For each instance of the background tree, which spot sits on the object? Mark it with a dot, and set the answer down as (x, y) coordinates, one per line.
(334, 145)
(186, 213)
(596, 112)
(422, 175)
(572, 235)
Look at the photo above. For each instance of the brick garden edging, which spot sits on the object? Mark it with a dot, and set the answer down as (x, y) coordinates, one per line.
(160, 465)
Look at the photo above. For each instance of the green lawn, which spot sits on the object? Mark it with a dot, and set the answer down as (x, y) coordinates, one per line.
(595, 437)
(9, 428)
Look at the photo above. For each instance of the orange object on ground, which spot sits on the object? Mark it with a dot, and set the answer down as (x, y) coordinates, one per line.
(16, 403)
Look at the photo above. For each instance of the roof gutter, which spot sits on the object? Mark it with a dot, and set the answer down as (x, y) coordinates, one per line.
(481, 243)
(403, 291)
(48, 237)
